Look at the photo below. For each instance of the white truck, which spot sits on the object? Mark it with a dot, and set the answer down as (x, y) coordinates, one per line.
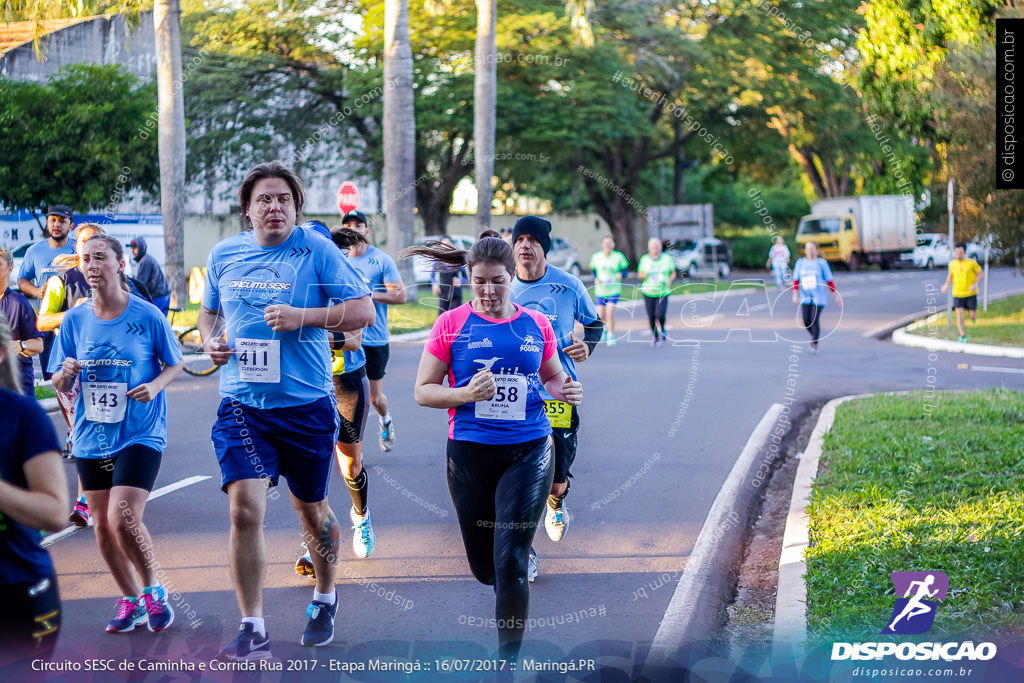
(859, 230)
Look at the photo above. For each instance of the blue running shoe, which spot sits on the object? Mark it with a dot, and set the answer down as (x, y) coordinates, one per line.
(320, 627)
(247, 646)
(160, 613)
(387, 435)
(363, 538)
(129, 614)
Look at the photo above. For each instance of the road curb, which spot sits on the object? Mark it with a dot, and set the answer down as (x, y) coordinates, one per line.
(790, 633)
(904, 337)
(704, 590)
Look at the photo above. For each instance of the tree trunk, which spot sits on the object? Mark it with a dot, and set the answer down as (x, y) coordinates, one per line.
(485, 96)
(399, 136)
(171, 142)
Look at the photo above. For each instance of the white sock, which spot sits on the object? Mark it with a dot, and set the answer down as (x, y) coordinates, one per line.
(386, 418)
(258, 624)
(326, 598)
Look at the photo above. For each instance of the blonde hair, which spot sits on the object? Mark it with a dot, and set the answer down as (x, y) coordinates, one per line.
(8, 374)
(66, 262)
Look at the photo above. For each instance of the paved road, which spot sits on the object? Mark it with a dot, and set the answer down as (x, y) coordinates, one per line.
(661, 429)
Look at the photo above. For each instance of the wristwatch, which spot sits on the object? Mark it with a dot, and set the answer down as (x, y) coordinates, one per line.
(22, 343)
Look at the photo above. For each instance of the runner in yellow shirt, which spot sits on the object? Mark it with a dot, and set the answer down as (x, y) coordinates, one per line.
(965, 276)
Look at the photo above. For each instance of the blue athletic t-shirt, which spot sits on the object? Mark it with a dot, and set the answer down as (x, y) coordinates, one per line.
(813, 277)
(38, 264)
(23, 328)
(116, 356)
(376, 268)
(25, 432)
(563, 299)
(513, 350)
(278, 369)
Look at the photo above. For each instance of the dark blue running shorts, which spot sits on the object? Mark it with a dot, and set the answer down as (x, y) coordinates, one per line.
(295, 442)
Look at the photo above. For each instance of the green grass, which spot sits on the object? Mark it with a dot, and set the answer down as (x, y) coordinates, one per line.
(45, 392)
(917, 483)
(1001, 325)
(415, 316)
(186, 318)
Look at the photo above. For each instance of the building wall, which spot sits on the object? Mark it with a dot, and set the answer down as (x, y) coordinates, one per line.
(102, 40)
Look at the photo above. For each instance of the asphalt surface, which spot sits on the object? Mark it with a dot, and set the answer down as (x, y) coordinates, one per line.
(661, 428)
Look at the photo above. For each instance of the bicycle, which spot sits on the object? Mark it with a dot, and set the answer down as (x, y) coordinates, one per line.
(197, 362)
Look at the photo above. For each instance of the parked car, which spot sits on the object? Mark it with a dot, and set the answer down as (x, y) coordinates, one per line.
(563, 255)
(422, 267)
(701, 258)
(933, 249)
(19, 258)
(976, 250)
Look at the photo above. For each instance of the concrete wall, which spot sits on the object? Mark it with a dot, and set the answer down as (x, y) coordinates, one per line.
(584, 231)
(103, 40)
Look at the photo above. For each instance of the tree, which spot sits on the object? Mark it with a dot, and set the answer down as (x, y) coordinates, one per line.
(485, 100)
(399, 132)
(966, 97)
(106, 108)
(169, 105)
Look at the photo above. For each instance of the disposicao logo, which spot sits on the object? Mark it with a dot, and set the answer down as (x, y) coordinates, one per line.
(914, 613)
(918, 598)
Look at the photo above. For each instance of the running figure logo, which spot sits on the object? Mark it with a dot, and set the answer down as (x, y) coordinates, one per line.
(914, 613)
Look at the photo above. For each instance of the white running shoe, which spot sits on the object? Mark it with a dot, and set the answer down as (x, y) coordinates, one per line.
(533, 566)
(363, 538)
(555, 521)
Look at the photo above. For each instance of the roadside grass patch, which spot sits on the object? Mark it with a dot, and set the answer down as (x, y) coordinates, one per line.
(631, 292)
(1001, 325)
(907, 486)
(43, 391)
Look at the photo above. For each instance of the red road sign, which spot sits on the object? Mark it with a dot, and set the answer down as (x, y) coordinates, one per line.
(348, 197)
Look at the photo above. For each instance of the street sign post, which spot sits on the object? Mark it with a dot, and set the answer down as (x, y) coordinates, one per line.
(348, 197)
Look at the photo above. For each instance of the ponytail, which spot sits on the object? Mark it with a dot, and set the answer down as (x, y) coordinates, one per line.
(490, 248)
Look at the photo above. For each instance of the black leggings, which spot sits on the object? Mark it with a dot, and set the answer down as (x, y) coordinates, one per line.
(29, 624)
(812, 320)
(657, 307)
(499, 493)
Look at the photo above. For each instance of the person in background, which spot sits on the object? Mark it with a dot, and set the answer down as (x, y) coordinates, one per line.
(446, 283)
(965, 275)
(656, 271)
(26, 340)
(149, 274)
(39, 265)
(609, 267)
(33, 498)
(778, 261)
(812, 281)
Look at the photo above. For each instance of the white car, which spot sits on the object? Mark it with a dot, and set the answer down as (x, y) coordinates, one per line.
(933, 249)
(563, 255)
(19, 258)
(422, 267)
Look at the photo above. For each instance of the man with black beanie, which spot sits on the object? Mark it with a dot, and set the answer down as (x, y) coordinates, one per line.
(563, 298)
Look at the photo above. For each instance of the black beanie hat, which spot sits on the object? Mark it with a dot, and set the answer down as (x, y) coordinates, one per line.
(537, 228)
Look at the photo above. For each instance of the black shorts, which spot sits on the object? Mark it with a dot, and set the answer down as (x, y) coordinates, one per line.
(565, 441)
(968, 302)
(136, 466)
(29, 621)
(376, 361)
(352, 394)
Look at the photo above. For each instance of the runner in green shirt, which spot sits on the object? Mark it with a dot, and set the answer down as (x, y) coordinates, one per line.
(656, 270)
(609, 267)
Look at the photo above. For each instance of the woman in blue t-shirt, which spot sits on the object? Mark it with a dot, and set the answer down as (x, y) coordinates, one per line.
(33, 497)
(495, 355)
(125, 353)
(812, 281)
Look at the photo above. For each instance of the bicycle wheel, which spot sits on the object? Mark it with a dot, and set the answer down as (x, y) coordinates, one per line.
(197, 362)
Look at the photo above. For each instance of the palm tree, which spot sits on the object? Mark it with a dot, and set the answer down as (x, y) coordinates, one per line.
(485, 101)
(171, 142)
(170, 105)
(485, 92)
(399, 135)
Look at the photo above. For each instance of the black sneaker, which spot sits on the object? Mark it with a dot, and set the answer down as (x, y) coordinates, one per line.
(320, 627)
(247, 646)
